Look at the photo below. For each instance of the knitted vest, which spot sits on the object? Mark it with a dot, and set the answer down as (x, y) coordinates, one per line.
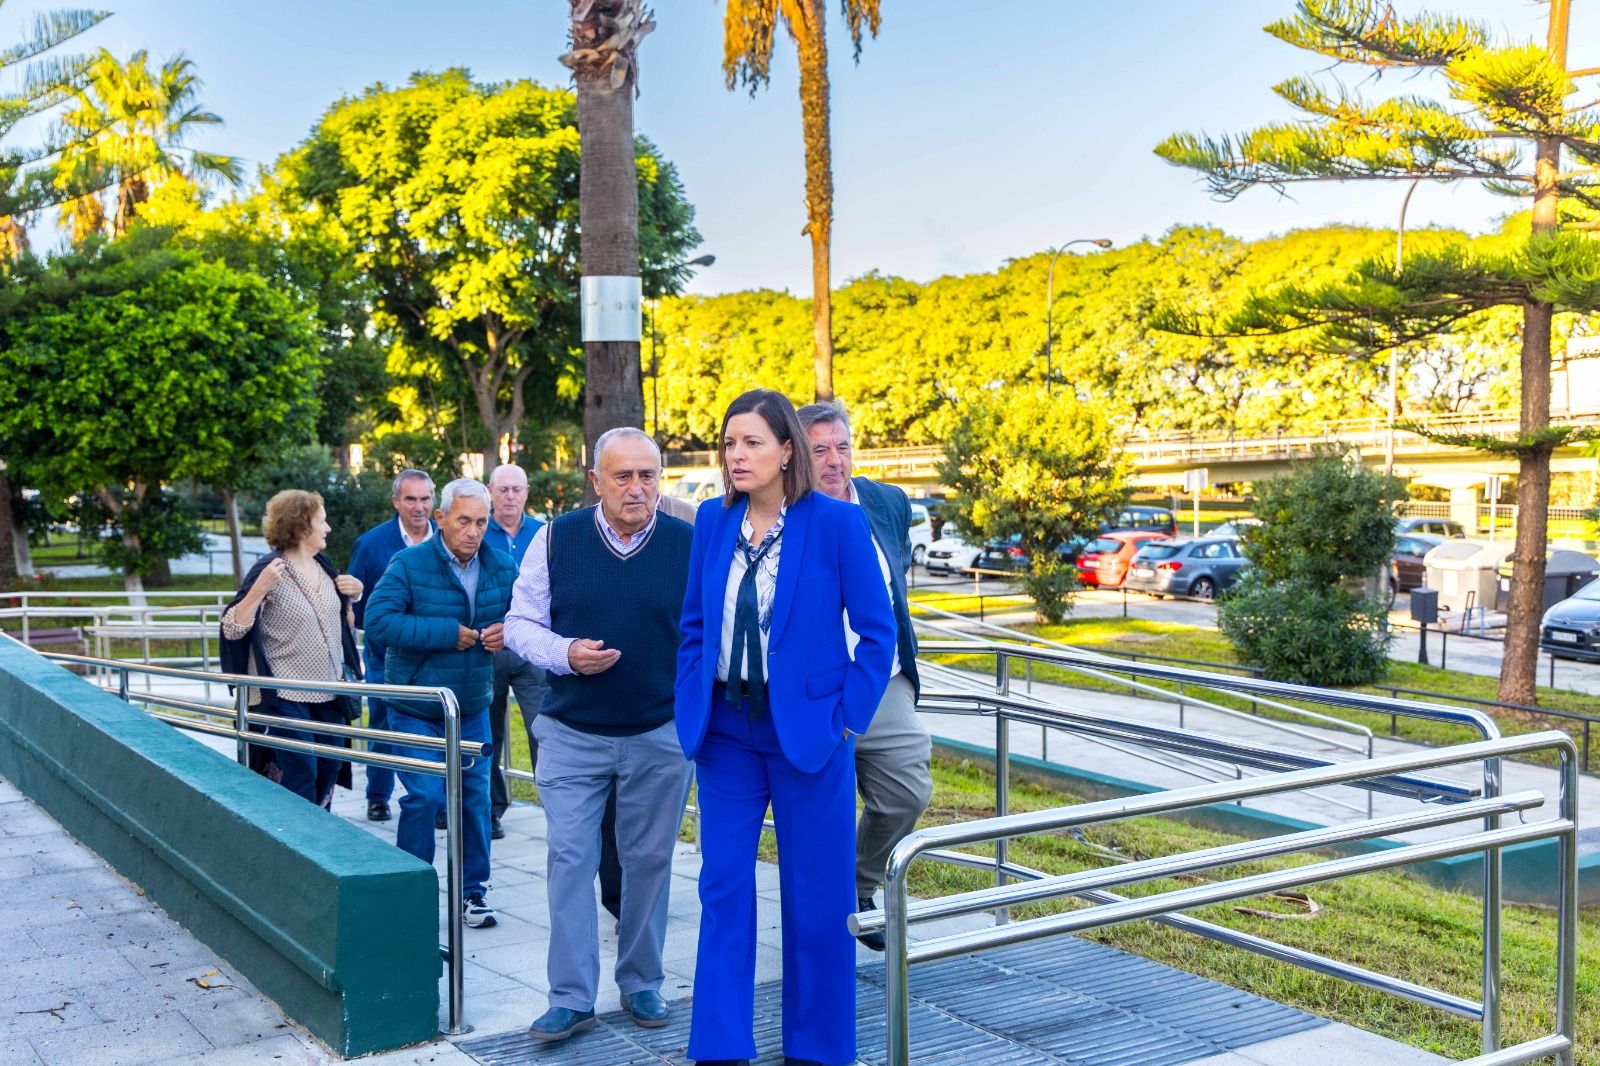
(633, 604)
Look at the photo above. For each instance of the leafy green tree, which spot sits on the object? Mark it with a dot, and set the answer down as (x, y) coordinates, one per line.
(1504, 99)
(1302, 611)
(1044, 469)
(130, 367)
(124, 130)
(461, 201)
(749, 27)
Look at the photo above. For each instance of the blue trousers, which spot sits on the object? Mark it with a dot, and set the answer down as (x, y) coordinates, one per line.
(311, 777)
(380, 779)
(424, 797)
(740, 769)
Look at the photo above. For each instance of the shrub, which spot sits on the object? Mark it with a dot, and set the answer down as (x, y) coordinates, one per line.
(1306, 635)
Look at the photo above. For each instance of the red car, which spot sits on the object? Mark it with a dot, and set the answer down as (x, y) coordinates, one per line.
(1105, 559)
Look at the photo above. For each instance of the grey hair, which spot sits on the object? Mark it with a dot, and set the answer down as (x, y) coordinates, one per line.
(817, 414)
(622, 433)
(467, 487)
(406, 475)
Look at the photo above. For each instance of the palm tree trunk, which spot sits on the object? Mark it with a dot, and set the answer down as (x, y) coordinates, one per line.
(812, 45)
(608, 221)
(1519, 667)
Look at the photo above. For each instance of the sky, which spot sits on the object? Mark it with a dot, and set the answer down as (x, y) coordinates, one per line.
(970, 133)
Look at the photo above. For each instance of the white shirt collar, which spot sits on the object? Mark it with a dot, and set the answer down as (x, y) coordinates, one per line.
(407, 536)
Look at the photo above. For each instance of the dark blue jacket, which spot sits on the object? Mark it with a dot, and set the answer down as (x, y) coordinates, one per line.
(889, 512)
(827, 566)
(369, 558)
(415, 612)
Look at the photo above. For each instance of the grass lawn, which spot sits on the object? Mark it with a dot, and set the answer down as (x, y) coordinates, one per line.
(1387, 922)
(1172, 640)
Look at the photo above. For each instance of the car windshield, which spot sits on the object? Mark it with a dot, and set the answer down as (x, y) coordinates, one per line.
(1158, 551)
(1591, 591)
(1104, 544)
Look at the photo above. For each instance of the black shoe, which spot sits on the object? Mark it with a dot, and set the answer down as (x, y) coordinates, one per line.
(871, 940)
(439, 821)
(722, 1062)
(647, 1008)
(377, 811)
(496, 830)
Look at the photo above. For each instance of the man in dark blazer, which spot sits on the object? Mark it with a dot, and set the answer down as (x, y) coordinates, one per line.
(412, 497)
(892, 758)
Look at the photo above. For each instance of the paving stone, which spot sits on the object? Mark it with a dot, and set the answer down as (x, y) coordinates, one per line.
(285, 1050)
(128, 1042)
(16, 1051)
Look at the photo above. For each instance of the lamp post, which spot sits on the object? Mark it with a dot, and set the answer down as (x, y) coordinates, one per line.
(655, 378)
(1050, 300)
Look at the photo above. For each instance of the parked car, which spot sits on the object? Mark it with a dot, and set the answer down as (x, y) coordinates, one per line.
(1154, 519)
(1199, 568)
(1406, 569)
(1105, 560)
(921, 534)
(950, 554)
(1571, 629)
(697, 485)
(1234, 527)
(1438, 527)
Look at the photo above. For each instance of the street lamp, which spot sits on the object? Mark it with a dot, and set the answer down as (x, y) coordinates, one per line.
(655, 378)
(1050, 300)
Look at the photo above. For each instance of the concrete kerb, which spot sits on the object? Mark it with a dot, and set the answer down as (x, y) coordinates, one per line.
(341, 930)
(1528, 870)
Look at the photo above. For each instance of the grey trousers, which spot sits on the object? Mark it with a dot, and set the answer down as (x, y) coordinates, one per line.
(576, 772)
(894, 779)
(512, 673)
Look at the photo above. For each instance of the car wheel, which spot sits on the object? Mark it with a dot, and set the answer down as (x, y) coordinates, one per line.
(1394, 588)
(919, 554)
(1203, 589)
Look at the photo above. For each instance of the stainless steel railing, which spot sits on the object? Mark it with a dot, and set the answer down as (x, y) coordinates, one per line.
(897, 913)
(239, 718)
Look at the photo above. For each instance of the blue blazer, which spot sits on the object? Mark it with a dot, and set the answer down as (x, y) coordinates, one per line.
(827, 564)
(369, 558)
(889, 511)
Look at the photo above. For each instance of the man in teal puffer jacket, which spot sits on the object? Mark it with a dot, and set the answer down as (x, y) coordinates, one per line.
(438, 612)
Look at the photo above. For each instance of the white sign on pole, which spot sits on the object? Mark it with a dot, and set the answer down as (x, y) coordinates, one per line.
(610, 308)
(1197, 479)
(1492, 488)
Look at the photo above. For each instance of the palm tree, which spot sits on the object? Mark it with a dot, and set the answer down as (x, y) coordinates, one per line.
(605, 67)
(125, 129)
(747, 31)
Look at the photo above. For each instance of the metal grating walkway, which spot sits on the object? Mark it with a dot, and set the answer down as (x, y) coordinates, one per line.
(1063, 1002)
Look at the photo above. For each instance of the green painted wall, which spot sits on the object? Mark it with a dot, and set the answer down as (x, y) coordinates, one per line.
(340, 928)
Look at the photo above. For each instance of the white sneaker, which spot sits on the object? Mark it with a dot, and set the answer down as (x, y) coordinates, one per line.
(476, 913)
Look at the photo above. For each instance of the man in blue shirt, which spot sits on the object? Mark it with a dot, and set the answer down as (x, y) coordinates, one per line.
(412, 497)
(510, 531)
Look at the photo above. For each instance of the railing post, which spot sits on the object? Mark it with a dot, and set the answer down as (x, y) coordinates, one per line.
(1002, 773)
(454, 878)
(1491, 916)
(896, 967)
(241, 722)
(1566, 915)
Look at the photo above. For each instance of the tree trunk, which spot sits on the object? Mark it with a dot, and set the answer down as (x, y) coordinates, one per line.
(812, 45)
(8, 568)
(1519, 667)
(230, 514)
(608, 221)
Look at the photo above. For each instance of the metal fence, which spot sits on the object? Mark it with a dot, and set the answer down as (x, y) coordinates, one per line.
(1286, 771)
(235, 722)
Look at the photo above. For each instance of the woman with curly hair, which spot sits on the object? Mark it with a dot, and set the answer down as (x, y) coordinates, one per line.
(292, 618)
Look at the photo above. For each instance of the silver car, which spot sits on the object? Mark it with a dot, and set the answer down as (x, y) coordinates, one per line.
(1199, 568)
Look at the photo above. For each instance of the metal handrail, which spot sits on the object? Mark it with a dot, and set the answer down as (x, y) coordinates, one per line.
(450, 769)
(896, 912)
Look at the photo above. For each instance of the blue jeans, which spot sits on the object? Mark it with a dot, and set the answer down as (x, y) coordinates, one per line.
(380, 779)
(424, 797)
(308, 776)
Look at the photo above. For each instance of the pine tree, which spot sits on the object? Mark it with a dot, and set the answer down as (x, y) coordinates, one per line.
(1502, 104)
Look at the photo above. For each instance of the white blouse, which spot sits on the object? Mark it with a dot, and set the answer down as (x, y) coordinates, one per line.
(766, 590)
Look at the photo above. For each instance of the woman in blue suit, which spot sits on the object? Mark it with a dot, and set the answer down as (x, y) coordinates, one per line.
(769, 698)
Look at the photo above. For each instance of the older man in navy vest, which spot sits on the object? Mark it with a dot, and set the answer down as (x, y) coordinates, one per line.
(597, 604)
(892, 757)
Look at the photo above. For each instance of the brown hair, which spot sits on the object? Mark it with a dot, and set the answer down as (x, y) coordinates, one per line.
(777, 412)
(289, 517)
